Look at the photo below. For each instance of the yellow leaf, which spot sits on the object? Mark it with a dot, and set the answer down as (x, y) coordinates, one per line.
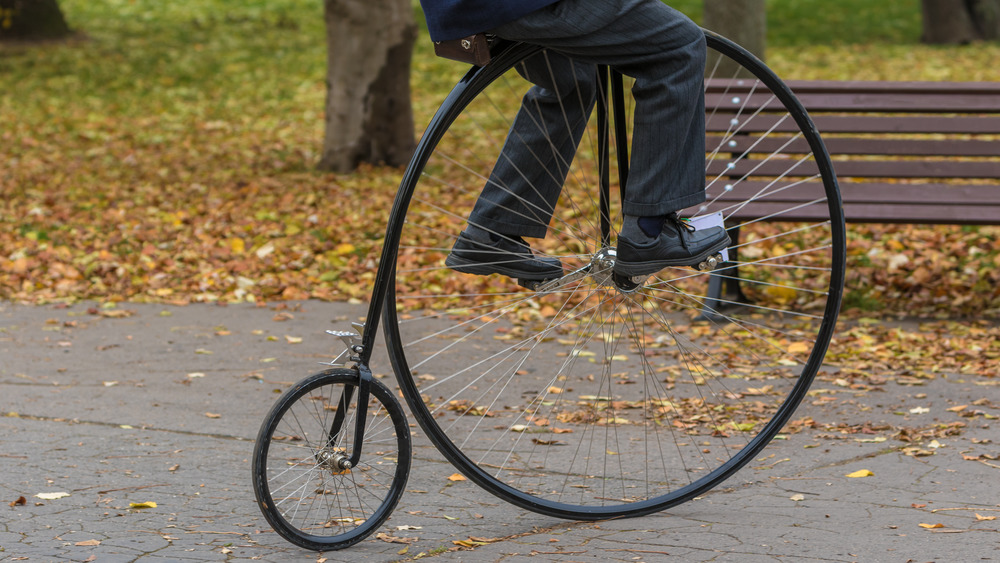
(51, 496)
(860, 473)
(797, 497)
(981, 517)
(798, 348)
(141, 505)
(237, 245)
(457, 477)
(782, 294)
(213, 415)
(344, 248)
(931, 526)
(293, 339)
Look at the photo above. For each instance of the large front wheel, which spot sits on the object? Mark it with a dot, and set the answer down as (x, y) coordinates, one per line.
(598, 397)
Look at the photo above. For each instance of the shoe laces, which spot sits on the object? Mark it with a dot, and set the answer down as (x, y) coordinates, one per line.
(681, 223)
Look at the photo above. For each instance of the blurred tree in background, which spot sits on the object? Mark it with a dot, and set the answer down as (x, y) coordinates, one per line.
(960, 21)
(369, 116)
(31, 20)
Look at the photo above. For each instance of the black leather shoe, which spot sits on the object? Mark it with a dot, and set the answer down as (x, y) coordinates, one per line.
(679, 244)
(486, 253)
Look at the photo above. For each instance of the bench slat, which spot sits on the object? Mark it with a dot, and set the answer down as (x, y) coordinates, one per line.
(719, 85)
(857, 146)
(863, 169)
(869, 203)
(912, 214)
(873, 124)
(864, 192)
(889, 103)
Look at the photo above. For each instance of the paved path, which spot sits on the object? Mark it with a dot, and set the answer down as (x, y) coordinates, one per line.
(162, 406)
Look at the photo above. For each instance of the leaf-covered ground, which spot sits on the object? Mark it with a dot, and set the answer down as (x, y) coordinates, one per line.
(167, 154)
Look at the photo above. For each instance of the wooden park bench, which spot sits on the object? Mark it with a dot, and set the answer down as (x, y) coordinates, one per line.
(904, 152)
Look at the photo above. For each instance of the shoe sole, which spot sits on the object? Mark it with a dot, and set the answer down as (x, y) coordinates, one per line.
(480, 269)
(646, 268)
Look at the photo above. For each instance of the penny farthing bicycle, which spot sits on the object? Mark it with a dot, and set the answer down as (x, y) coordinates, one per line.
(591, 396)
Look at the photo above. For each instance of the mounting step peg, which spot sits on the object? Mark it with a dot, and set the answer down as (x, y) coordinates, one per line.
(352, 340)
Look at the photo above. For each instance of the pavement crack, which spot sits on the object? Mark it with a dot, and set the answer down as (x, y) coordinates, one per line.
(125, 426)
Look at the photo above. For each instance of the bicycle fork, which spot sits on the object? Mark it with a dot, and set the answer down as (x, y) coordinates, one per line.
(336, 460)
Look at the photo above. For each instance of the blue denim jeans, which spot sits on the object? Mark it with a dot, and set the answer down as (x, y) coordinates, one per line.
(662, 49)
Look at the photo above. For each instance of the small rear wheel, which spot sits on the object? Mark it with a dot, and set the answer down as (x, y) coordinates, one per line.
(303, 482)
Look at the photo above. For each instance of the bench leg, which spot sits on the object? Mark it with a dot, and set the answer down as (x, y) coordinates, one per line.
(724, 291)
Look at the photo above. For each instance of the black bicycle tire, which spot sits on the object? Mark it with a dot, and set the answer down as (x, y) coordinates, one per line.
(337, 376)
(467, 89)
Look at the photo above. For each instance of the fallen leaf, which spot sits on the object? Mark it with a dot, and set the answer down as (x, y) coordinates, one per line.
(797, 497)
(117, 313)
(457, 477)
(293, 339)
(860, 473)
(799, 348)
(405, 528)
(931, 526)
(213, 415)
(980, 517)
(394, 539)
(875, 440)
(52, 496)
(920, 410)
(88, 543)
(142, 505)
(21, 501)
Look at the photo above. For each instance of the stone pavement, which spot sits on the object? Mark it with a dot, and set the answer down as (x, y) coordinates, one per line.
(156, 403)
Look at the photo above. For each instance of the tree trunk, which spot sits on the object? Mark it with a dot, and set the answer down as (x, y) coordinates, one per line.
(947, 21)
(986, 14)
(960, 21)
(369, 117)
(31, 20)
(743, 21)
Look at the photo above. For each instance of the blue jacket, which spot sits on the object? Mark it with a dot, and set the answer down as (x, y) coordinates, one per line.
(452, 19)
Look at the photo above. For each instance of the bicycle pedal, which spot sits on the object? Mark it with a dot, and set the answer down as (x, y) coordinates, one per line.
(710, 263)
(533, 285)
